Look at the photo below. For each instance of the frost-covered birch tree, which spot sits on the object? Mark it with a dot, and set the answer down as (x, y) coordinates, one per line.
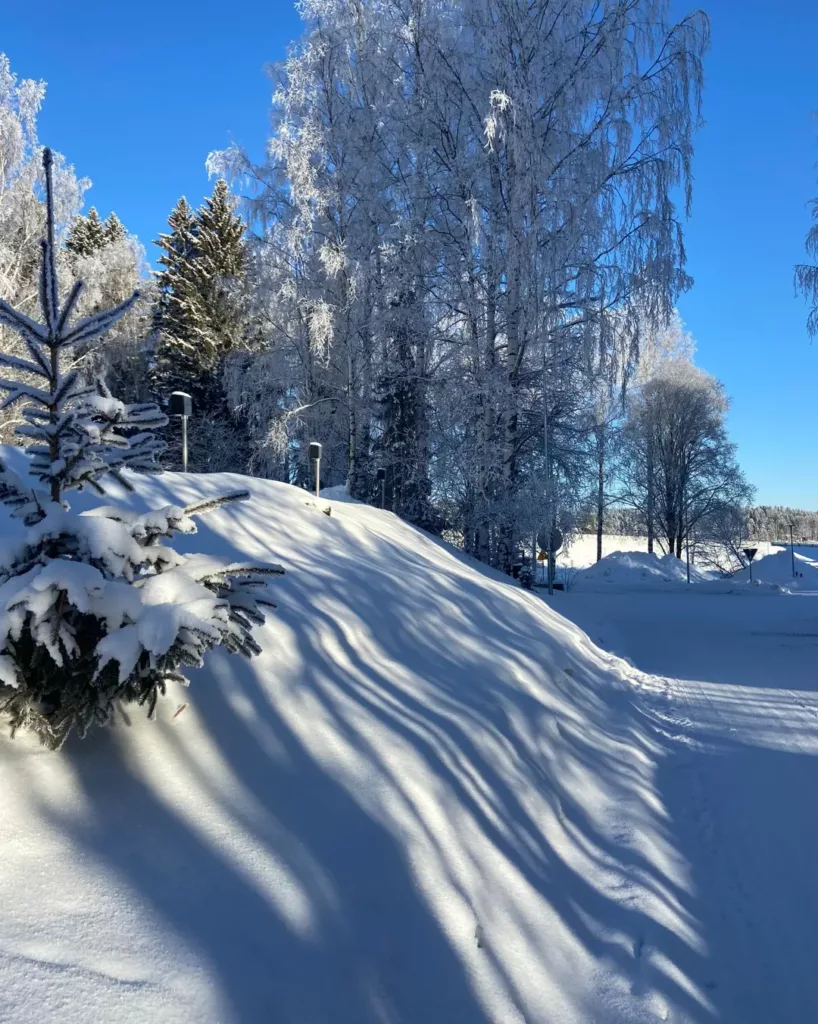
(678, 464)
(456, 197)
(806, 274)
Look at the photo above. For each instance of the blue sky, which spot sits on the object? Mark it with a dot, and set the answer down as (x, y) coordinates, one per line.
(137, 96)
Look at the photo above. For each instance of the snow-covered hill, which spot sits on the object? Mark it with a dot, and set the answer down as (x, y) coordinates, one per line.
(430, 800)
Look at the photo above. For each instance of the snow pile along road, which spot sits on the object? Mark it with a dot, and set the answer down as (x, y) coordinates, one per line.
(778, 568)
(636, 568)
(430, 799)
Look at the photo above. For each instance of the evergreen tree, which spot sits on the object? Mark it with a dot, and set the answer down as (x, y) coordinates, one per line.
(402, 448)
(177, 365)
(218, 272)
(114, 229)
(94, 608)
(88, 234)
(200, 316)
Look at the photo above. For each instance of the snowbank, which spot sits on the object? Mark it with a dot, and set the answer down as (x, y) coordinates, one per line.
(425, 801)
(634, 568)
(580, 552)
(777, 568)
(628, 570)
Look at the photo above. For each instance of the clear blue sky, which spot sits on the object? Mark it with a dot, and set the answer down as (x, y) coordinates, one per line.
(138, 95)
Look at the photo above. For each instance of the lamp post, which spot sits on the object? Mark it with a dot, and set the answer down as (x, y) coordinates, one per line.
(181, 404)
(382, 481)
(792, 551)
(315, 459)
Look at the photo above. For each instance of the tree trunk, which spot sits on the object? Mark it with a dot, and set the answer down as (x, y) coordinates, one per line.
(488, 476)
(600, 489)
(505, 552)
(650, 489)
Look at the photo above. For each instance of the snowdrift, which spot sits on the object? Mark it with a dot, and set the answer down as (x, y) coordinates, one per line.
(633, 570)
(637, 568)
(777, 568)
(429, 800)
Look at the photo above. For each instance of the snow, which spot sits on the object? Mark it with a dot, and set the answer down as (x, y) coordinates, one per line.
(338, 493)
(431, 798)
(580, 551)
(635, 570)
(778, 568)
(626, 568)
(730, 689)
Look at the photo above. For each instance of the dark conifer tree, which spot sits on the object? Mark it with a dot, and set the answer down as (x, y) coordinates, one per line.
(402, 448)
(88, 234)
(200, 314)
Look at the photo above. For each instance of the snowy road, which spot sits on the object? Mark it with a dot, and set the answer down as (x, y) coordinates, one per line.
(731, 686)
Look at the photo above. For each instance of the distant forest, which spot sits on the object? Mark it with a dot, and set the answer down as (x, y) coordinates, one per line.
(765, 522)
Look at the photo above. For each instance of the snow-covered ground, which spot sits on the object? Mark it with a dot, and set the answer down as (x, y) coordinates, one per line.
(778, 568)
(431, 799)
(632, 568)
(774, 570)
(580, 552)
(729, 687)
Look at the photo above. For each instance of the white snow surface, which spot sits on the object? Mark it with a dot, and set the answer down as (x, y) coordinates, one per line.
(730, 687)
(580, 550)
(778, 568)
(626, 568)
(624, 571)
(431, 799)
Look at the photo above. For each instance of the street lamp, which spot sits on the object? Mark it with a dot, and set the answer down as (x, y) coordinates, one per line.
(181, 404)
(315, 459)
(792, 551)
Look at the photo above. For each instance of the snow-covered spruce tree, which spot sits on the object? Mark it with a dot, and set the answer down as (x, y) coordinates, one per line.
(171, 315)
(94, 608)
(200, 317)
(87, 234)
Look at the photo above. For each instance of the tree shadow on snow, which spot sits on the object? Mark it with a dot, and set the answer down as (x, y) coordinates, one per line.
(741, 804)
(511, 831)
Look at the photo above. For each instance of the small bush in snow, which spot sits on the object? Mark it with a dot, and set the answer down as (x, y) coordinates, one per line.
(527, 577)
(94, 608)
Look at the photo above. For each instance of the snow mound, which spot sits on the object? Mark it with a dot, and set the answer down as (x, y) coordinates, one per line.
(429, 799)
(339, 493)
(777, 568)
(637, 568)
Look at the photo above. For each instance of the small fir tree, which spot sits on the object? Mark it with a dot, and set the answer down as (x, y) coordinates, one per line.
(94, 608)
